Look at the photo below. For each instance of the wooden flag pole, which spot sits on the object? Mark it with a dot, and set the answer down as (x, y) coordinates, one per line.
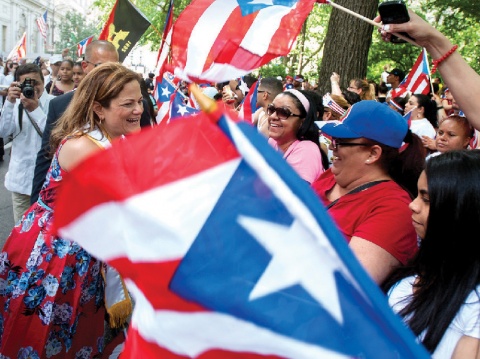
(371, 22)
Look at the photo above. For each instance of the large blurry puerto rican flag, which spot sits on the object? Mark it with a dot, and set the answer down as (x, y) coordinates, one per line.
(417, 81)
(226, 250)
(218, 40)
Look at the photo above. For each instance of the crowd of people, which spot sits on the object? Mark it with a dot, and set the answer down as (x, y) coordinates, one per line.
(397, 174)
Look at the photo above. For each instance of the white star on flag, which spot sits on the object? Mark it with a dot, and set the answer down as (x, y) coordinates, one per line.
(182, 110)
(296, 259)
(165, 91)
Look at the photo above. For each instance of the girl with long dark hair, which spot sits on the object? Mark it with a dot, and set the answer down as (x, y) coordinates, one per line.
(437, 294)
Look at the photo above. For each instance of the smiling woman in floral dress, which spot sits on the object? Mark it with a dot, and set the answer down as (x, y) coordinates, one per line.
(51, 289)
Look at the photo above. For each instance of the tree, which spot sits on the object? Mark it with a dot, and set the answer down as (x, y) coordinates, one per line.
(73, 29)
(347, 43)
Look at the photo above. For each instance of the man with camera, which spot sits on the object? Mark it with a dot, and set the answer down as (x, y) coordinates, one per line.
(23, 116)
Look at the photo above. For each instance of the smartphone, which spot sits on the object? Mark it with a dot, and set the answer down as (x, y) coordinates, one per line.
(394, 12)
(230, 94)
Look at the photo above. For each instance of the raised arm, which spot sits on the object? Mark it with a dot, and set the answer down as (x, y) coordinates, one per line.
(460, 78)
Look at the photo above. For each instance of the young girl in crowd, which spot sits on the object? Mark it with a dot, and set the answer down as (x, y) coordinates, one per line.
(438, 293)
(64, 83)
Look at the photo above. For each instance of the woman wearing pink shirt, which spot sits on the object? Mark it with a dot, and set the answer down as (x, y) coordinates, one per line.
(292, 131)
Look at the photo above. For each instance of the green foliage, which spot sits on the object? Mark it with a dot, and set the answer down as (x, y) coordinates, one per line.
(273, 70)
(305, 55)
(73, 29)
(458, 20)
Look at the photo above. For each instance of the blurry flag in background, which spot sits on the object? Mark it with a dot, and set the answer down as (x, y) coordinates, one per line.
(82, 45)
(20, 49)
(219, 40)
(42, 25)
(164, 51)
(179, 108)
(417, 81)
(124, 27)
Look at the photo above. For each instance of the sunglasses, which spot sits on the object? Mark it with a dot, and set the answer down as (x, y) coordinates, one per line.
(336, 142)
(282, 112)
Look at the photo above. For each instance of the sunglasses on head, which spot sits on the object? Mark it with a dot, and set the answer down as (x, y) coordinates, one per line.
(282, 112)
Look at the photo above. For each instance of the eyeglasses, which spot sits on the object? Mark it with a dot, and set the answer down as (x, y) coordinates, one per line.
(282, 112)
(336, 143)
(94, 65)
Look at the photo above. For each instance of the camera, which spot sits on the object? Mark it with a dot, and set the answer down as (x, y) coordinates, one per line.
(27, 87)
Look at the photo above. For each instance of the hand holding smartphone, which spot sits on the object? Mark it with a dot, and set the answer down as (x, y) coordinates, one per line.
(394, 12)
(231, 96)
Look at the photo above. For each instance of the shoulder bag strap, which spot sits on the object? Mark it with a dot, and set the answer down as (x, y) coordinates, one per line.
(39, 131)
(356, 190)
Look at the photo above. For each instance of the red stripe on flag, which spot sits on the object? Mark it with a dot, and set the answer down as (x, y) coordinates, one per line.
(156, 287)
(104, 34)
(226, 45)
(154, 174)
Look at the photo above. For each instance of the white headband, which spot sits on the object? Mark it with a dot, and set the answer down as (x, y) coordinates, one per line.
(301, 97)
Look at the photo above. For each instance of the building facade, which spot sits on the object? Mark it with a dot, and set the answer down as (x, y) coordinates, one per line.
(19, 16)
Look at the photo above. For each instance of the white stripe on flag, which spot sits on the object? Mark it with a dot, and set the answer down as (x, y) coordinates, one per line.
(266, 23)
(200, 42)
(214, 330)
(156, 218)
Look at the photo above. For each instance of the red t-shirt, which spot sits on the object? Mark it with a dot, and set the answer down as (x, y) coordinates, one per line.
(379, 214)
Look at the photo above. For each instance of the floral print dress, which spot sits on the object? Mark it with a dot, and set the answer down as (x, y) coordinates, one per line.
(51, 289)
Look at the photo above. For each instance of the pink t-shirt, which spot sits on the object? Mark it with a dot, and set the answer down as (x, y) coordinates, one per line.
(304, 157)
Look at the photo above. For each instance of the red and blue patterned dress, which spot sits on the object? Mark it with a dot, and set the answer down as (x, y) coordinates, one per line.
(51, 289)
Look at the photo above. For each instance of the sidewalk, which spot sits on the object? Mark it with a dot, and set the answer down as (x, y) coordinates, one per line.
(6, 211)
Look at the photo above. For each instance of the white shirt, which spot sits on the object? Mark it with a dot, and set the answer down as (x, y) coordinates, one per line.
(26, 143)
(466, 321)
(423, 127)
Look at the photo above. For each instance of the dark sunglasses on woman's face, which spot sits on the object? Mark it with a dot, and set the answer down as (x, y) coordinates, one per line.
(282, 112)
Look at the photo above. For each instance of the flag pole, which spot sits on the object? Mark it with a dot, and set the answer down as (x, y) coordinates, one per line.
(371, 22)
(206, 104)
(428, 69)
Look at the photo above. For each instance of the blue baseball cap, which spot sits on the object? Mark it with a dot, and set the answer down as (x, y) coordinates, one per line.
(372, 120)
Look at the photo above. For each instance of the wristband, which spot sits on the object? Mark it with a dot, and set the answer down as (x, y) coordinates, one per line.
(437, 62)
(439, 107)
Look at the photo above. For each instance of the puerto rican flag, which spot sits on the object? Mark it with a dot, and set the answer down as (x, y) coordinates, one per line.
(179, 108)
(227, 252)
(82, 45)
(417, 81)
(20, 49)
(164, 50)
(249, 104)
(164, 90)
(219, 40)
